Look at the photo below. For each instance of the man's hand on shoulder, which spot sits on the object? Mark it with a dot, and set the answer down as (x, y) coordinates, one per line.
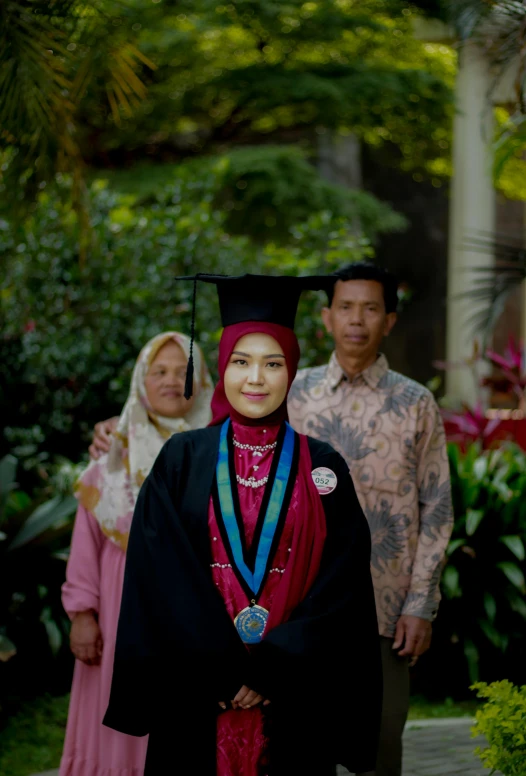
(412, 636)
(102, 435)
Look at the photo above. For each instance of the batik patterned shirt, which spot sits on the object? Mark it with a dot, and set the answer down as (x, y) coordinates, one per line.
(389, 430)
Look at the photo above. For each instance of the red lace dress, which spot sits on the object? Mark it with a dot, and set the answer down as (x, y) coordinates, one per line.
(241, 739)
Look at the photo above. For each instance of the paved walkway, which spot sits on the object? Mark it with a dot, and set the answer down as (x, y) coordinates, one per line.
(441, 747)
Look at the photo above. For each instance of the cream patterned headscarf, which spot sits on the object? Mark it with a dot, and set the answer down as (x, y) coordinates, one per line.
(109, 487)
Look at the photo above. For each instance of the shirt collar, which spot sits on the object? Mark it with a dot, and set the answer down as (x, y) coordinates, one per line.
(372, 375)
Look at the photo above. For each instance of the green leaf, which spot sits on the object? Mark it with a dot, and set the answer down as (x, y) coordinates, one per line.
(454, 545)
(453, 451)
(471, 654)
(505, 493)
(451, 582)
(514, 574)
(53, 631)
(518, 605)
(491, 633)
(8, 466)
(490, 605)
(480, 468)
(471, 490)
(45, 516)
(17, 501)
(515, 544)
(473, 519)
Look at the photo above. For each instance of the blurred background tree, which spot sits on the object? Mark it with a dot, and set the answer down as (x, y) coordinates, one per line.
(221, 132)
(113, 84)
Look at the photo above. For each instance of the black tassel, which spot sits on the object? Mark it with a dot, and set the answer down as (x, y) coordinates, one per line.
(189, 381)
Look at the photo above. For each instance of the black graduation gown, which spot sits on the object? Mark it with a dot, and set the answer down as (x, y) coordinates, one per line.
(178, 653)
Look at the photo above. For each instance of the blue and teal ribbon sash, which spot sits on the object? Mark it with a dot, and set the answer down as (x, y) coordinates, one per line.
(253, 579)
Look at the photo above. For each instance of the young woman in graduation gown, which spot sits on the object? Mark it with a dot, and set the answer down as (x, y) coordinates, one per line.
(247, 641)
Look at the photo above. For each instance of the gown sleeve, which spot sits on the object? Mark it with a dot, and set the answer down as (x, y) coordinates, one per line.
(165, 647)
(81, 590)
(326, 657)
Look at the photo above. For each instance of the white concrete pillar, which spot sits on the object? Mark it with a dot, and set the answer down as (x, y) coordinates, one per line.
(472, 208)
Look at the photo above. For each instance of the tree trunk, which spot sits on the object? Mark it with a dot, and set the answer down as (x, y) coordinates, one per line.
(339, 159)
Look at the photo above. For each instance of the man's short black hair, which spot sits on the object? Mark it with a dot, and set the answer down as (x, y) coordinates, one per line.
(366, 270)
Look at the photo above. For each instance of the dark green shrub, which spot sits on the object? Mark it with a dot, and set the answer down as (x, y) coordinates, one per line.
(71, 331)
(481, 625)
(34, 538)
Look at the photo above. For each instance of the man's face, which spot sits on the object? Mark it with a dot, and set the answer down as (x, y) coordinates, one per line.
(357, 318)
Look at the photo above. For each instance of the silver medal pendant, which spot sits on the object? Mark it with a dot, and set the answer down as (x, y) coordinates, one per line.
(251, 623)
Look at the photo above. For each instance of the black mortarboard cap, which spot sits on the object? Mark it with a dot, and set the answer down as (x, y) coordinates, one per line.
(269, 298)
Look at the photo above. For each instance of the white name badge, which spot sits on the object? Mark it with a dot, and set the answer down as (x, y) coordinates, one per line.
(325, 480)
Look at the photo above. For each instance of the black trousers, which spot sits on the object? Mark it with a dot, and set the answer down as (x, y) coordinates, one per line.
(395, 707)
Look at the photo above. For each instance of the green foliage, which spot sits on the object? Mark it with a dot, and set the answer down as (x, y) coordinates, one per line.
(508, 149)
(35, 532)
(34, 535)
(422, 708)
(264, 192)
(238, 72)
(270, 189)
(502, 720)
(76, 330)
(112, 83)
(484, 580)
(31, 740)
(72, 331)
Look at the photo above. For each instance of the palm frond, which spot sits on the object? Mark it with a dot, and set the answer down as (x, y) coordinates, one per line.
(33, 74)
(52, 54)
(492, 286)
(124, 87)
(467, 15)
(499, 28)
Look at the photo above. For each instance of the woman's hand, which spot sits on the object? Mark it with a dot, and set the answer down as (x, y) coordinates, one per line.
(102, 437)
(85, 638)
(246, 699)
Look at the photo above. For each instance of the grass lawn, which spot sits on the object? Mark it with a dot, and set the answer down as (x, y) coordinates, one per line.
(31, 741)
(423, 709)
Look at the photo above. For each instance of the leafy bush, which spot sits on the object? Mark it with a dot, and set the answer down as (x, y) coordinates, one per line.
(481, 624)
(34, 537)
(72, 330)
(502, 720)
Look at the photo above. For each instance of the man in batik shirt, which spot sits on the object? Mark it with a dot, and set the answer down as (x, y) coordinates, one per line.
(388, 429)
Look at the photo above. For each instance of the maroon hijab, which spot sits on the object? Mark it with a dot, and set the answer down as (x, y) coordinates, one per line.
(286, 338)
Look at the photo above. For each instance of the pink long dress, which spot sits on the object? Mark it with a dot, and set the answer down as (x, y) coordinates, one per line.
(242, 742)
(94, 580)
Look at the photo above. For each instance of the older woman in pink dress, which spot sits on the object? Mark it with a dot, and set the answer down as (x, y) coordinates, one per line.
(91, 595)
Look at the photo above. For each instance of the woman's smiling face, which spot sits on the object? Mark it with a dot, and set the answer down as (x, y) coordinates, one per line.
(256, 377)
(164, 382)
